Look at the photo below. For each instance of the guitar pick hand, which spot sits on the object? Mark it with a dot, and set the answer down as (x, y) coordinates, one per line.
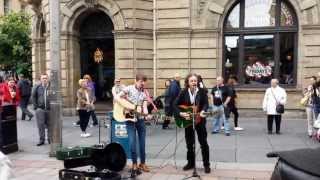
(202, 114)
(185, 115)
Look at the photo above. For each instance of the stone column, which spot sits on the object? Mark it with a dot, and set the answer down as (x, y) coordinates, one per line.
(55, 77)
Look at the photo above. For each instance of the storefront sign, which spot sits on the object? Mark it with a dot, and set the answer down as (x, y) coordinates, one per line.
(258, 70)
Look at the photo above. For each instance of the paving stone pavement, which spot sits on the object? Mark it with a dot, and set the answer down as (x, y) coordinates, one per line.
(239, 156)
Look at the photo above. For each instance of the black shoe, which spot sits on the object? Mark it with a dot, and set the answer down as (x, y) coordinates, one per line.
(207, 169)
(227, 134)
(49, 142)
(278, 132)
(166, 128)
(30, 117)
(40, 144)
(269, 132)
(214, 132)
(135, 172)
(188, 167)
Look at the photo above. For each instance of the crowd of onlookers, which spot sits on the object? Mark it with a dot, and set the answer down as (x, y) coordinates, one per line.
(18, 91)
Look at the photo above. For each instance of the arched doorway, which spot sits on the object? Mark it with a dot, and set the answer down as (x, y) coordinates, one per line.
(96, 37)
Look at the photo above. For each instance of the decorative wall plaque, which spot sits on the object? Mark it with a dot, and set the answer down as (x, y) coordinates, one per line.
(98, 56)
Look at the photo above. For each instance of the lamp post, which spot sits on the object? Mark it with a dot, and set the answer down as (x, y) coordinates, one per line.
(55, 122)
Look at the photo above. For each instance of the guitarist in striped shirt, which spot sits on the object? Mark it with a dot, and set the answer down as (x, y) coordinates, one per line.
(136, 94)
(196, 97)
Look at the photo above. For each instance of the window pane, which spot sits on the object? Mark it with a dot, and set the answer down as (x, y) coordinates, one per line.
(231, 63)
(234, 17)
(260, 13)
(287, 58)
(259, 59)
(287, 16)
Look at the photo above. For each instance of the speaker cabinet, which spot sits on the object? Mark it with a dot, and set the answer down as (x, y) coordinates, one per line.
(8, 129)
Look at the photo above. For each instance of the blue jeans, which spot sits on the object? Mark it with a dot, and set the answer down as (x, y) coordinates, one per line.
(316, 110)
(133, 129)
(219, 118)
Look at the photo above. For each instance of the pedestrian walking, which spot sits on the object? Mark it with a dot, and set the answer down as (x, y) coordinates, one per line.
(307, 102)
(91, 86)
(167, 105)
(85, 100)
(274, 98)
(221, 96)
(11, 93)
(173, 92)
(232, 105)
(24, 86)
(41, 104)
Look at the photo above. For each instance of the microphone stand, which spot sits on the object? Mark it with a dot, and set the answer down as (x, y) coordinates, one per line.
(194, 173)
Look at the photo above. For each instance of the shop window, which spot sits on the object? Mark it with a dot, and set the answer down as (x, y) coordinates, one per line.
(260, 42)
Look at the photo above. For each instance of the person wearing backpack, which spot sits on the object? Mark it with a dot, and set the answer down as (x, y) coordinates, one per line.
(24, 86)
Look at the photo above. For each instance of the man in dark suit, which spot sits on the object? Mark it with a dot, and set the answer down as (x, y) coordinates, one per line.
(192, 95)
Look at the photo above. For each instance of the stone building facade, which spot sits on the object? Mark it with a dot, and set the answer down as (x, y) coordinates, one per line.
(189, 37)
(11, 5)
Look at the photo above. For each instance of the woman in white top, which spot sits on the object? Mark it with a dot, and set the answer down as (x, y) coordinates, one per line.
(273, 96)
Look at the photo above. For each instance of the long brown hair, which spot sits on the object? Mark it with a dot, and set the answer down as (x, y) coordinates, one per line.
(186, 80)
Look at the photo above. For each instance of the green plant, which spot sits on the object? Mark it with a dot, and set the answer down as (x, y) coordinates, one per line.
(15, 43)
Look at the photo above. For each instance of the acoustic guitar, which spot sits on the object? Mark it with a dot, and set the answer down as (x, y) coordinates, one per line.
(123, 110)
(181, 122)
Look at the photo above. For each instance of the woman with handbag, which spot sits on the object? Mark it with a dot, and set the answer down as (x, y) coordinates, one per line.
(273, 104)
(308, 103)
(85, 100)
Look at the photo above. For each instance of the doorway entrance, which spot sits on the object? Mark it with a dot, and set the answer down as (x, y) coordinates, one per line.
(97, 52)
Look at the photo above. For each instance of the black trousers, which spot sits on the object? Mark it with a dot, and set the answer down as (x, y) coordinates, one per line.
(277, 118)
(94, 117)
(202, 138)
(84, 119)
(24, 107)
(168, 113)
(234, 110)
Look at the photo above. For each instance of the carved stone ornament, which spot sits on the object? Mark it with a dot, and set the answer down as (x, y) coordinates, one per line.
(98, 56)
(35, 5)
(91, 3)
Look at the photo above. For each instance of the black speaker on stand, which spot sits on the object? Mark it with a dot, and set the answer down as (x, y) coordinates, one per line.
(8, 129)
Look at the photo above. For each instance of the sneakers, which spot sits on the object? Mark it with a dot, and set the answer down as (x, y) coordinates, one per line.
(76, 124)
(144, 168)
(238, 129)
(222, 128)
(85, 135)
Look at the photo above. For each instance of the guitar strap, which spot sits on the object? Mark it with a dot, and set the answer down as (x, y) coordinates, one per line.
(150, 100)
